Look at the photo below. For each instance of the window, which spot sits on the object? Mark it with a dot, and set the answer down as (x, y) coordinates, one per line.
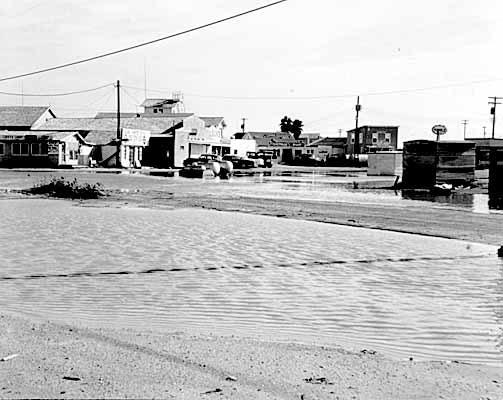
(19, 149)
(2, 151)
(38, 148)
(235, 151)
(193, 132)
(155, 110)
(182, 147)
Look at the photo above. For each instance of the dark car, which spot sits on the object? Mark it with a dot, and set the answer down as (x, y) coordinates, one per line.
(239, 162)
(190, 161)
(307, 160)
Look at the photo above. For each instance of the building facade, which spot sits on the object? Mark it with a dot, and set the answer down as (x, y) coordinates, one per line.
(483, 148)
(370, 139)
(195, 138)
(29, 149)
(329, 147)
(282, 145)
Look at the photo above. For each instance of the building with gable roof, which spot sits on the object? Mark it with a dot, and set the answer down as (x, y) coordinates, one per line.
(47, 149)
(24, 118)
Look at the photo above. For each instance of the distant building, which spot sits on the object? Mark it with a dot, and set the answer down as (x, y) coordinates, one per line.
(164, 106)
(47, 149)
(24, 118)
(102, 132)
(427, 163)
(482, 148)
(130, 147)
(199, 136)
(282, 145)
(328, 147)
(370, 139)
(309, 137)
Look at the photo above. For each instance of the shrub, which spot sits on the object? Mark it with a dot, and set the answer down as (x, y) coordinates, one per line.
(60, 187)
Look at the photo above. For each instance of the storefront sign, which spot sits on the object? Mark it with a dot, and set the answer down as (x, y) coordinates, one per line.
(135, 137)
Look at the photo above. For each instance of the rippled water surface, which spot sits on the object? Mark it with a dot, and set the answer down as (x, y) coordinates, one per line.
(404, 295)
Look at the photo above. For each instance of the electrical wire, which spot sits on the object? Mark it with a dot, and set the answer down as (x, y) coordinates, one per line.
(142, 44)
(342, 96)
(136, 103)
(56, 94)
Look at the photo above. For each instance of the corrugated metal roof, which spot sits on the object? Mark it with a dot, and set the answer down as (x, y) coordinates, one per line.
(153, 125)
(114, 115)
(101, 137)
(20, 116)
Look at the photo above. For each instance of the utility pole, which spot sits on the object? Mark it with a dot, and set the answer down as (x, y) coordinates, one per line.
(243, 125)
(464, 122)
(358, 107)
(118, 155)
(493, 109)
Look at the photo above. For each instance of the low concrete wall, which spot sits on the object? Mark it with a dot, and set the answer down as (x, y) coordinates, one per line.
(388, 163)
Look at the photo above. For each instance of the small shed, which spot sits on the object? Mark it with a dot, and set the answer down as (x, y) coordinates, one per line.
(385, 163)
(427, 163)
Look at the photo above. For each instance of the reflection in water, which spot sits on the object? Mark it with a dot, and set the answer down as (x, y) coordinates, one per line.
(477, 202)
(496, 201)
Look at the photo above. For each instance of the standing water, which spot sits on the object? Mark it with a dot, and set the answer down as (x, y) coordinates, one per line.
(404, 295)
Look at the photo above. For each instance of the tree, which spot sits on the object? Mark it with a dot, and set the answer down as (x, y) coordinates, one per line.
(297, 127)
(285, 124)
(294, 127)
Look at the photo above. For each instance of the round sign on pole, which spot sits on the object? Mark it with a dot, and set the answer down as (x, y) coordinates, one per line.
(439, 130)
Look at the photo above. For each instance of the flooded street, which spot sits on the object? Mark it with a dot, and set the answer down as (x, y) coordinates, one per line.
(403, 295)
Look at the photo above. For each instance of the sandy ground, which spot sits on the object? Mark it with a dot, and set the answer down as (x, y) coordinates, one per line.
(64, 361)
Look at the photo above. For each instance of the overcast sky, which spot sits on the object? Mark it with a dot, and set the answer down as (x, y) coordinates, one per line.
(264, 65)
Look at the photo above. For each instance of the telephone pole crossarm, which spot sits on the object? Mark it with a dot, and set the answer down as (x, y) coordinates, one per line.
(493, 103)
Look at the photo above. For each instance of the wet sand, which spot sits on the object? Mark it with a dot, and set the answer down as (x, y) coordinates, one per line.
(67, 361)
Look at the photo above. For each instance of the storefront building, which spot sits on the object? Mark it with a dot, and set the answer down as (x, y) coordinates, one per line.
(29, 149)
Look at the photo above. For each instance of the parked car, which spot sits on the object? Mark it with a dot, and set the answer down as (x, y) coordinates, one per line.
(206, 164)
(190, 161)
(239, 162)
(261, 158)
(307, 160)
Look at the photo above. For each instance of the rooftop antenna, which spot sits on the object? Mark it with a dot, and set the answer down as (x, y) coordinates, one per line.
(145, 75)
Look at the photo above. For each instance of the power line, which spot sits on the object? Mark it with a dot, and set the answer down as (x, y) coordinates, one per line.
(142, 44)
(342, 96)
(56, 94)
